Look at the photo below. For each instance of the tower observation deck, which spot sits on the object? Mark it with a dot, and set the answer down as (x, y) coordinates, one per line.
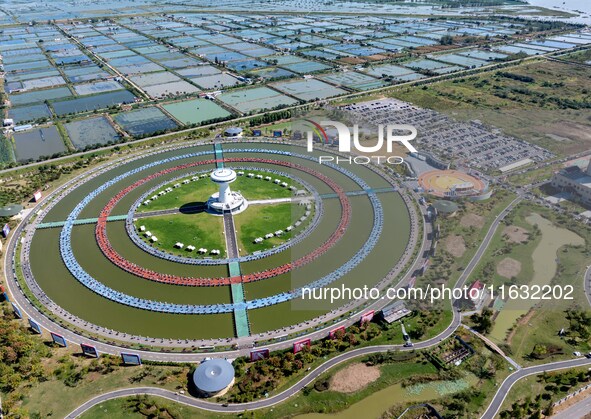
(225, 200)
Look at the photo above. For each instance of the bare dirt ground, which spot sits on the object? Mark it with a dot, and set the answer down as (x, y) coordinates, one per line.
(455, 246)
(515, 234)
(472, 220)
(508, 268)
(352, 60)
(376, 57)
(354, 378)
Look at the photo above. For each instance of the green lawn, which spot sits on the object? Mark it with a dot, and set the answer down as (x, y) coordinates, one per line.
(121, 409)
(400, 384)
(259, 220)
(501, 248)
(444, 266)
(199, 191)
(192, 193)
(200, 230)
(53, 398)
(548, 317)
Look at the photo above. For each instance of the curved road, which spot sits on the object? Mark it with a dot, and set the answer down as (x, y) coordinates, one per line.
(268, 402)
(313, 375)
(308, 379)
(271, 401)
(503, 390)
(244, 344)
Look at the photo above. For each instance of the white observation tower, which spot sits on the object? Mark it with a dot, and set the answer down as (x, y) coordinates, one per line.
(225, 200)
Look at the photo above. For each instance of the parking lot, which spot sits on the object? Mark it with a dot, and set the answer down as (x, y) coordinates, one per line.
(466, 143)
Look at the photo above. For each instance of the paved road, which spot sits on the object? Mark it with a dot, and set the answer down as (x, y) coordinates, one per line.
(230, 233)
(485, 242)
(504, 388)
(313, 375)
(577, 410)
(494, 346)
(456, 321)
(268, 402)
(587, 283)
(344, 316)
(310, 378)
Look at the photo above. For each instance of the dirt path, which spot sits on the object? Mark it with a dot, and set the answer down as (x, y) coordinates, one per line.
(524, 320)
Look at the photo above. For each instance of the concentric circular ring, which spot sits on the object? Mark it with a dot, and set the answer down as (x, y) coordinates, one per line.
(87, 280)
(111, 254)
(132, 233)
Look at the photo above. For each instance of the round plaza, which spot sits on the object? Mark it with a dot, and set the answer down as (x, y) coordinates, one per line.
(296, 224)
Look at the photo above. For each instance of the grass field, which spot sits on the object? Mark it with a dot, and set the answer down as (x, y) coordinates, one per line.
(6, 151)
(547, 318)
(540, 102)
(200, 230)
(444, 266)
(259, 220)
(534, 176)
(500, 249)
(580, 57)
(53, 398)
(199, 191)
(120, 409)
(400, 384)
(545, 257)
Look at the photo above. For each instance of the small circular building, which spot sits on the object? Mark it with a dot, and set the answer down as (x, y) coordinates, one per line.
(445, 208)
(214, 377)
(10, 210)
(233, 132)
(225, 200)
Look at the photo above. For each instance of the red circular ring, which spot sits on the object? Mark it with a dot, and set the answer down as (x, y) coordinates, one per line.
(111, 254)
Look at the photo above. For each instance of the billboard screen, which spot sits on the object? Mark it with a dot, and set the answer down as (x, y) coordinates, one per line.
(333, 333)
(58, 339)
(366, 317)
(36, 328)
(5, 230)
(299, 345)
(37, 196)
(257, 354)
(17, 311)
(5, 297)
(89, 350)
(131, 359)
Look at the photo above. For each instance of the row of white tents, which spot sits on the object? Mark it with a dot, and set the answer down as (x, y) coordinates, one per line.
(180, 245)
